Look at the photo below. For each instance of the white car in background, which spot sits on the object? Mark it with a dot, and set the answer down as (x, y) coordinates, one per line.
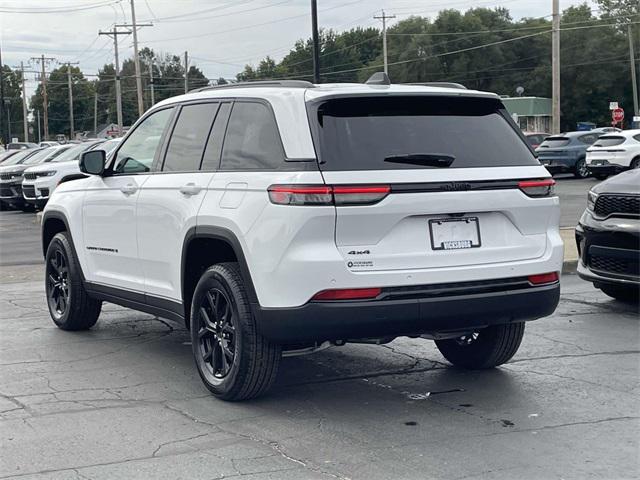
(613, 153)
(40, 181)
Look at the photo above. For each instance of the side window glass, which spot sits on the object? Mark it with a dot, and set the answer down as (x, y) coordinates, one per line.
(637, 137)
(139, 149)
(189, 137)
(211, 159)
(252, 141)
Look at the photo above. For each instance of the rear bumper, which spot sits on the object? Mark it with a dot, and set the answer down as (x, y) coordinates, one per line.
(433, 311)
(609, 169)
(557, 165)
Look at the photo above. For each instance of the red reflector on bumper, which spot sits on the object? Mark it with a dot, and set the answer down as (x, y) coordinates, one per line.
(543, 278)
(348, 294)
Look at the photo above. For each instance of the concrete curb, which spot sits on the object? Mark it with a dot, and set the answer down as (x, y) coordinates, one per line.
(570, 264)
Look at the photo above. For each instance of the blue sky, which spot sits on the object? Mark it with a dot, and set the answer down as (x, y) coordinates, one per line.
(221, 36)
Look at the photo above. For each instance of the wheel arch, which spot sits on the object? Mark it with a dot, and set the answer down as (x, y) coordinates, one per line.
(203, 247)
(54, 222)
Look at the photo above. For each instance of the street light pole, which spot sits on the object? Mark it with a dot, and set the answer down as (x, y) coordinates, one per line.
(136, 60)
(634, 81)
(555, 68)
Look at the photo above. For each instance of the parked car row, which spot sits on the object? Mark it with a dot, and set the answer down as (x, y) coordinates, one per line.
(599, 152)
(29, 176)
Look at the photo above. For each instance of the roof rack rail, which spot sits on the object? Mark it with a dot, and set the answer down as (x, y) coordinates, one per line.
(441, 84)
(261, 83)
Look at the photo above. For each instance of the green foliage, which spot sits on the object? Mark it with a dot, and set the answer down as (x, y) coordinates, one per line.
(485, 49)
(13, 93)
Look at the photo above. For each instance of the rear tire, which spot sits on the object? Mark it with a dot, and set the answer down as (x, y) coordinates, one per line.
(601, 176)
(635, 163)
(486, 348)
(580, 170)
(234, 361)
(69, 305)
(624, 293)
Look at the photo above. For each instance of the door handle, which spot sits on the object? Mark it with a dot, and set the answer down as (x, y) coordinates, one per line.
(190, 189)
(129, 189)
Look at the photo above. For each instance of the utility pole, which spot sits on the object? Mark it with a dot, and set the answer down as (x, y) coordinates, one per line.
(384, 18)
(45, 100)
(316, 41)
(39, 136)
(114, 33)
(95, 114)
(153, 95)
(71, 126)
(555, 68)
(186, 72)
(2, 127)
(136, 60)
(632, 57)
(25, 112)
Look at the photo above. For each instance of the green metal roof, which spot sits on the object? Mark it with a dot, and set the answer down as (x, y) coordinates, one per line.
(528, 106)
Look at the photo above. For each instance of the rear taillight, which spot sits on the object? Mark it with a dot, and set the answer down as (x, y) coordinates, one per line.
(348, 294)
(300, 194)
(543, 278)
(339, 195)
(537, 188)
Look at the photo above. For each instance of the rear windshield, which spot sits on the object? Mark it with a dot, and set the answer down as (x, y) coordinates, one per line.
(555, 142)
(390, 133)
(609, 141)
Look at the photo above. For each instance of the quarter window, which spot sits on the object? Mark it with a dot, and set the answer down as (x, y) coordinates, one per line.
(252, 141)
(139, 149)
(189, 137)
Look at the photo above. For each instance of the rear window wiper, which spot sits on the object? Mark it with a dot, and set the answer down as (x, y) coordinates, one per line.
(438, 160)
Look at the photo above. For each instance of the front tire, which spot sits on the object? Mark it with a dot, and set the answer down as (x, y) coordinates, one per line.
(234, 361)
(485, 348)
(581, 170)
(601, 176)
(624, 293)
(70, 306)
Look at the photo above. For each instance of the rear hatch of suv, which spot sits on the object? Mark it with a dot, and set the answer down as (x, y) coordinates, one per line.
(427, 182)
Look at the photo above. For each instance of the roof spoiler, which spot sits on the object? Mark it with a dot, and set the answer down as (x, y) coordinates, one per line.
(441, 84)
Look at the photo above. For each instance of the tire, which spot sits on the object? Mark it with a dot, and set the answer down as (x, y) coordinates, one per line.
(601, 176)
(69, 305)
(486, 348)
(635, 163)
(624, 293)
(234, 361)
(580, 170)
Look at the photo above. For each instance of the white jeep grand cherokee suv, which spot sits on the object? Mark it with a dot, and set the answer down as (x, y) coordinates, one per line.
(281, 217)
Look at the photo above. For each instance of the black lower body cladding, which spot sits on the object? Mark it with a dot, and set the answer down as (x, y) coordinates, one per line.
(459, 312)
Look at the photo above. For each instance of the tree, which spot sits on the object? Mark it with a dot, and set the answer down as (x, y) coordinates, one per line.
(58, 101)
(13, 105)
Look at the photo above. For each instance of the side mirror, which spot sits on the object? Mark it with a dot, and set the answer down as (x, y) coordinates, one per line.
(93, 162)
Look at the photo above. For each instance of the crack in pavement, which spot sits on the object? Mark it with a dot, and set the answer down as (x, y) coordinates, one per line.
(561, 425)
(574, 355)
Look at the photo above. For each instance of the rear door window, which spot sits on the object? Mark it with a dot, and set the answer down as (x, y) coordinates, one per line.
(252, 141)
(189, 137)
(402, 132)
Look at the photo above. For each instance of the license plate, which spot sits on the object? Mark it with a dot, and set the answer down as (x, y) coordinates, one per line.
(454, 233)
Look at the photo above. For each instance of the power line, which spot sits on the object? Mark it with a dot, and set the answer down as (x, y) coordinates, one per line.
(67, 9)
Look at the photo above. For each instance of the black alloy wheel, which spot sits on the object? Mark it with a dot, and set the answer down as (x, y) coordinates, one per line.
(216, 333)
(58, 283)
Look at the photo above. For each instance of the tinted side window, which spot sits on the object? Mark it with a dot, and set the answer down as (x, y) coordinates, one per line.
(252, 140)
(211, 160)
(139, 149)
(588, 139)
(189, 137)
(637, 137)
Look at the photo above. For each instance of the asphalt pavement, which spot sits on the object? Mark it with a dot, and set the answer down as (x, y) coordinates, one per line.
(123, 400)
